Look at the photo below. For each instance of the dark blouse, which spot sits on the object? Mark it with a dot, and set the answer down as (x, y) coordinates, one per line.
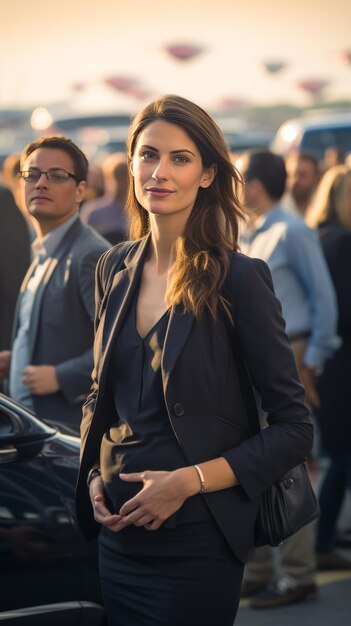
(143, 439)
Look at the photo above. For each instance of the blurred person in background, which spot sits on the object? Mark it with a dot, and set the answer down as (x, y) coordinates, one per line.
(95, 185)
(332, 156)
(100, 174)
(331, 214)
(12, 179)
(107, 213)
(302, 181)
(348, 160)
(14, 257)
(303, 285)
(51, 357)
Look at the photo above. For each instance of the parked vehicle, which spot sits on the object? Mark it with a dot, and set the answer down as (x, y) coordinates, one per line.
(240, 136)
(48, 572)
(96, 134)
(247, 140)
(314, 134)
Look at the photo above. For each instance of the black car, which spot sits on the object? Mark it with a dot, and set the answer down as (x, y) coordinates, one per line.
(48, 572)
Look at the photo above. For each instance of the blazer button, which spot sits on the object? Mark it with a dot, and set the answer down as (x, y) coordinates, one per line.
(178, 409)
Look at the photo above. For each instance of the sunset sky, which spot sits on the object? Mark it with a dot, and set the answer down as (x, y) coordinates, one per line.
(46, 47)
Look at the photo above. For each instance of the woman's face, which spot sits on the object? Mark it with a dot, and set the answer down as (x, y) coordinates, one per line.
(168, 170)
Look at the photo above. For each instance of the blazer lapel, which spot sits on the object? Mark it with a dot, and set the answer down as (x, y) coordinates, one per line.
(179, 327)
(51, 264)
(123, 288)
(122, 291)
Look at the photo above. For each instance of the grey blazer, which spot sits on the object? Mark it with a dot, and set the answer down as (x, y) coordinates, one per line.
(202, 389)
(62, 324)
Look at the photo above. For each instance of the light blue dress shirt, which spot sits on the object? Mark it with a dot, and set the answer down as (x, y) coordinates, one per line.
(301, 279)
(43, 251)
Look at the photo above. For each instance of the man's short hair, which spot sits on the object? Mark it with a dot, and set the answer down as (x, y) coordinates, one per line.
(269, 169)
(80, 162)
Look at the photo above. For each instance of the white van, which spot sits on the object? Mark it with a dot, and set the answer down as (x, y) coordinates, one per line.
(314, 134)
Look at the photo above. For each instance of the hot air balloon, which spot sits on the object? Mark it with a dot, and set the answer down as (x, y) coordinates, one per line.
(313, 86)
(231, 104)
(346, 56)
(183, 51)
(274, 66)
(120, 83)
(77, 87)
(139, 92)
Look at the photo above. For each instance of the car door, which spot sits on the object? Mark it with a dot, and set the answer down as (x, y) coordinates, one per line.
(41, 556)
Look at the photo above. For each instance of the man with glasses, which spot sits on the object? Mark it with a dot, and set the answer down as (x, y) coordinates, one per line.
(51, 359)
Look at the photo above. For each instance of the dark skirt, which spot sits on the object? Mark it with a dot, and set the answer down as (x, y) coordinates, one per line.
(186, 576)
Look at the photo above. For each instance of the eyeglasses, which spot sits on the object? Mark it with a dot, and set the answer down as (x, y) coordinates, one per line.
(54, 175)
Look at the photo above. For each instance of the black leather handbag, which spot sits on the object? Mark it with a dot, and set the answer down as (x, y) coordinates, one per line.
(286, 507)
(290, 503)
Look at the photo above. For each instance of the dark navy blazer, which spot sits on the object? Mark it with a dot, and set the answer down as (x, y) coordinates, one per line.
(202, 390)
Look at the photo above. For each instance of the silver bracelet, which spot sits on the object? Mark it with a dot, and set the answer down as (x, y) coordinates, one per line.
(202, 479)
(94, 472)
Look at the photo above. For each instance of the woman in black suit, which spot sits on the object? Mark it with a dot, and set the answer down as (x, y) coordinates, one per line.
(170, 471)
(331, 214)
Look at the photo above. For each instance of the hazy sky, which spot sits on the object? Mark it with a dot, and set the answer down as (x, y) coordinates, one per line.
(45, 47)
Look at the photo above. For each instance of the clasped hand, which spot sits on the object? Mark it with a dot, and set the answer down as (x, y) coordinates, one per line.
(162, 494)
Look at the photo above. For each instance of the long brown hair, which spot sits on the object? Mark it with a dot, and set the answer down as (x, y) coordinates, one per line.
(202, 253)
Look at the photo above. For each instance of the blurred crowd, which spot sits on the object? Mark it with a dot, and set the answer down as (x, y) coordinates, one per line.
(299, 222)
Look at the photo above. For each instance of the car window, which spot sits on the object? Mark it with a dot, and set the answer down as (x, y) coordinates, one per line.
(318, 140)
(6, 428)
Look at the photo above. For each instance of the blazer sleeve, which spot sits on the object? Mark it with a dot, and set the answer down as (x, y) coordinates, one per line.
(265, 457)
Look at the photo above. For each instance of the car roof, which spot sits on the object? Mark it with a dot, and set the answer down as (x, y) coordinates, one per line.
(70, 122)
(321, 120)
